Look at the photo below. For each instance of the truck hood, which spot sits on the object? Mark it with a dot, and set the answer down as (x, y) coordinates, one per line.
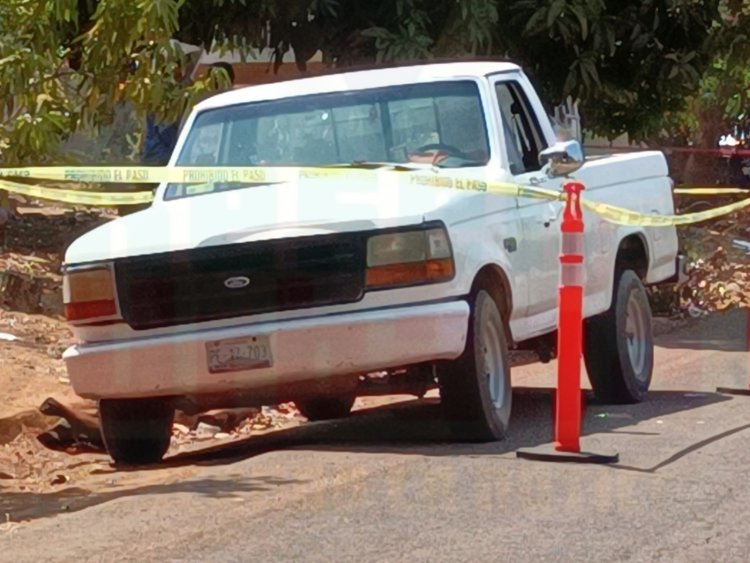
(264, 212)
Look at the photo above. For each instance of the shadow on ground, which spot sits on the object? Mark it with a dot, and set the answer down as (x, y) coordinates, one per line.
(418, 428)
(726, 332)
(409, 428)
(25, 506)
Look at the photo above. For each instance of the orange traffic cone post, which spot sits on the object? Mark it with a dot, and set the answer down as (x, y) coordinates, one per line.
(568, 407)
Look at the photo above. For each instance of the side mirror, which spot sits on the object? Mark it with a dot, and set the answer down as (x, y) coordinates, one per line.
(564, 158)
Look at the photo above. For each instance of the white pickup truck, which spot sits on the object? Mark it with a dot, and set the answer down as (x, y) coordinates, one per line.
(321, 290)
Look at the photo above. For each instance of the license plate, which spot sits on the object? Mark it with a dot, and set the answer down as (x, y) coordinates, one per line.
(239, 354)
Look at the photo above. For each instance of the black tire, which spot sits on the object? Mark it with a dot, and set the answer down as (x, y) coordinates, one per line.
(465, 390)
(136, 431)
(326, 408)
(619, 344)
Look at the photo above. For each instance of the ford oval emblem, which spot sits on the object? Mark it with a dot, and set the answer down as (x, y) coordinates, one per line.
(236, 282)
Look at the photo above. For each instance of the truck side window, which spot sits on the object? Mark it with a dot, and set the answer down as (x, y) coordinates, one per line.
(523, 136)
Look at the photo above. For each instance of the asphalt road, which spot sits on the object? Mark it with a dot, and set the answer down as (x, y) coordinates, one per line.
(385, 485)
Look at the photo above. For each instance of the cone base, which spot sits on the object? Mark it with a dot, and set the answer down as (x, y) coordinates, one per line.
(548, 452)
(733, 391)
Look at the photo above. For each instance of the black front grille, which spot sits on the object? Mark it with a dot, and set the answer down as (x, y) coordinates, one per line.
(191, 286)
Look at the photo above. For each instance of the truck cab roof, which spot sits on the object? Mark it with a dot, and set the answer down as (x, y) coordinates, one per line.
(359, 79)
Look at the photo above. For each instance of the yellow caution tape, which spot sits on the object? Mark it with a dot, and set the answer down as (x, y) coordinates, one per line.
(177, 175)
(627, 217)
(612, 213)
(203, 176)
(473, 185)
(711, 191)
(251, 174)
(76, 197)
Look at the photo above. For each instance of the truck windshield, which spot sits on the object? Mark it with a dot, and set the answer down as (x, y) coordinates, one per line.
(438, 123)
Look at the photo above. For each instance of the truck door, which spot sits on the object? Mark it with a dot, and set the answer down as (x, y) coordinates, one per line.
(540, 219)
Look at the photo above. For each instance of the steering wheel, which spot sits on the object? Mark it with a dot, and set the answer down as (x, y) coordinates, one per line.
(450, 149)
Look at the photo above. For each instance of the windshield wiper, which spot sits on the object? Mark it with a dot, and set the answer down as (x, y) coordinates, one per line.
(467, 164)
(373, 164)
(403, 166)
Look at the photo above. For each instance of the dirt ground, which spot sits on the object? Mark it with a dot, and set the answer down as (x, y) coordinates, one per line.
(33, 333)
(31, 370)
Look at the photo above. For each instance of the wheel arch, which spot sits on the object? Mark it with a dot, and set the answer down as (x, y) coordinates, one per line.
(633, 254)
(493, 279)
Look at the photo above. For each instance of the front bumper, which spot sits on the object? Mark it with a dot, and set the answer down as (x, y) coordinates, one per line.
(302, 350)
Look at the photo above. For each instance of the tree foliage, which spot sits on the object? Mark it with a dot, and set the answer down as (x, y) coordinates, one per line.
(628, 62)
(722, 98)
(67, 65)
(35, 84)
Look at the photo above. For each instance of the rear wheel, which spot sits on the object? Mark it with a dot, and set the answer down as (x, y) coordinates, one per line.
(326, 408)
(475, 389)
(619, 346)
(136, 431)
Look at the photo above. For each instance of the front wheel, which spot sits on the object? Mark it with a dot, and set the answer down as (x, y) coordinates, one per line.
(475, 389)
(619, 344)
(136, 431)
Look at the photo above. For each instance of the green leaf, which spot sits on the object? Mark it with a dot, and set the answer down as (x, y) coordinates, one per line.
(582, 21)
(534, 22)
(555, 9)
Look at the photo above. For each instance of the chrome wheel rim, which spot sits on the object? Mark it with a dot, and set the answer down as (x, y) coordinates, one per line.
(635, 335)
(494, 368)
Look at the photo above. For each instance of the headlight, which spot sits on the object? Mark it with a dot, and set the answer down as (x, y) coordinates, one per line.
(409, 258)
(89, 293)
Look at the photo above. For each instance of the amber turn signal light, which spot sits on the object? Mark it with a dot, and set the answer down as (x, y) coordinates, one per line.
(411, 273)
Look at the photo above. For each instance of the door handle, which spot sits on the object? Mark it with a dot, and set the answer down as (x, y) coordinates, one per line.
(553, 214)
